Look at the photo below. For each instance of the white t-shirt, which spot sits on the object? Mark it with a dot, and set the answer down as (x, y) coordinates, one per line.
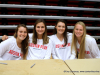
(39, 51)
(61, 52)
(9, 50)
(91, 48)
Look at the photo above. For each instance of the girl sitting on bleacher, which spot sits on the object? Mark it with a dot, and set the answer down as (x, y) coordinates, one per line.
(84, 45)
(62, 42)
(40, 46)
(15, 48)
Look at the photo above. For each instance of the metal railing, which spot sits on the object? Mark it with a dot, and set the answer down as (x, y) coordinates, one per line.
(48, 27)
(48, 7)
(49, 17)
(96, 37)
(86, 0)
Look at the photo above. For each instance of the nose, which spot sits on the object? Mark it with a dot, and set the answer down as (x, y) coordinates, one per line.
(61, 27)
(40, 28)
(23, 33)
(78, 30)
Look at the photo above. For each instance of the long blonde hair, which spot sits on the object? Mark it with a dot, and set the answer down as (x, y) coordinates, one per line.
(82, 44)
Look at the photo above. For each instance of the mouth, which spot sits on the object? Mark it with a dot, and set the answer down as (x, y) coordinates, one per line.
(22, 36)
(78, 34)
(40, 31)
(61, 30)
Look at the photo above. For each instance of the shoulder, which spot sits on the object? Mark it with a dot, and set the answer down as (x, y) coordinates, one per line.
(52, 36)
(9, 41)
(50, 41)
(89, 38)
(30, 35)
(69, 34)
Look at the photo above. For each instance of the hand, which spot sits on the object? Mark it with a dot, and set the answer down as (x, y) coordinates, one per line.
(4, 37)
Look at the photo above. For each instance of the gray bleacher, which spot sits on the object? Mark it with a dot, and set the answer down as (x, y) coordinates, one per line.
(50, 17)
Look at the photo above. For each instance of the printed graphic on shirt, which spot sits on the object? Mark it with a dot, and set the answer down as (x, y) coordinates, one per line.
(16, 54)
(62, 45)
(38, 46)
(86, 52)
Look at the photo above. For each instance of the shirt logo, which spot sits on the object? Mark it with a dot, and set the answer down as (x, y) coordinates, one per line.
(86, 52)
(62, 45)
(15, 53)
(38, 46)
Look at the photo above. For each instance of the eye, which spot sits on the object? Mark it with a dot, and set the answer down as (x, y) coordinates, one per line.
(63, 26)
(25, 31)
(59, 26)
(38, 27)
(42, 27)
(20, 31)
(81, 30)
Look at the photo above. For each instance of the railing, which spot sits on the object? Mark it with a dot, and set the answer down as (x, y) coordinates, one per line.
(50, 17)
(48, 27)
(86, 0)
(48, 7)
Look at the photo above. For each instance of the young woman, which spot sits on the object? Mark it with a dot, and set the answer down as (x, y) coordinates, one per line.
(15, 48)
(61, 41)
(40, 45)
(84, 45)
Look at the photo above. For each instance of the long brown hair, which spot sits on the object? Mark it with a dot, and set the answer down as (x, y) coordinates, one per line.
(66, 29)
(24, 44)
(82, 44)
(44, 36)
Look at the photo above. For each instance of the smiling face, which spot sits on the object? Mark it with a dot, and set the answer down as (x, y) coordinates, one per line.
(79, 31)
(22, 33)
(40, 28)
(60, 28)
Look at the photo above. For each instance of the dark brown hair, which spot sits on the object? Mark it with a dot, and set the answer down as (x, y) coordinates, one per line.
(24, 44)
(44, 36)
(66, 29)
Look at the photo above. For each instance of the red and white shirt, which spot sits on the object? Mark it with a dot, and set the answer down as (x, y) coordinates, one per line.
(39, 51)
(9, 50)
(60, 51)
(91, 48)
